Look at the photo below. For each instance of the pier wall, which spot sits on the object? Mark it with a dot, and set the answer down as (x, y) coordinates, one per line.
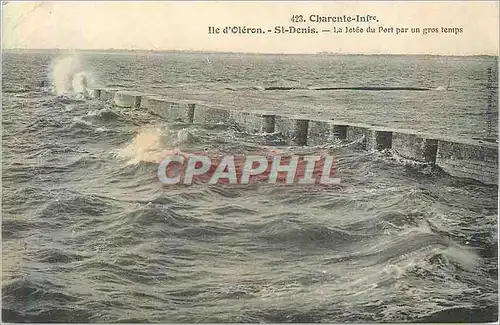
(127, 99)
(108, 95)
(361, 132)
(168, 108)
(414, 146)
(320, 132)
(294, 129)
(472, 159)
(469, 160)
(246, 121)
(252, 121)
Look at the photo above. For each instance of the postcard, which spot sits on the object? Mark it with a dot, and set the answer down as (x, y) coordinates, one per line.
(250, 162)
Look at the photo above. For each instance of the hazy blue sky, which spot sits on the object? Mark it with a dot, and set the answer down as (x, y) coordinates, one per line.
(184, 26)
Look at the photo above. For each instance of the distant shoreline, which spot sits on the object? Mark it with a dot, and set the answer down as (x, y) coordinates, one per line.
(145, 51)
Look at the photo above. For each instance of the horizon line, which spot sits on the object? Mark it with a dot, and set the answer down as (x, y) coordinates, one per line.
(236, 52)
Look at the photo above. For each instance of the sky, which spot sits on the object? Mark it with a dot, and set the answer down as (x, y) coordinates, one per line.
(184, 26)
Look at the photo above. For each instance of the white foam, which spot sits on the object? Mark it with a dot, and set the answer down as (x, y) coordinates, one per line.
(185, 137)
(147, 146)
(70, 78)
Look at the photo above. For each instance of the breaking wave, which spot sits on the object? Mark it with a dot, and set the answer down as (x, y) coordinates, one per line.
(70, 78)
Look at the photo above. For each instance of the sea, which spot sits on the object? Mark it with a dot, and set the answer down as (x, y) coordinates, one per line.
(90, 235)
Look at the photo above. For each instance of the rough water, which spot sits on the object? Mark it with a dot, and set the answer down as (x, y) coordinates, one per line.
(89, 234)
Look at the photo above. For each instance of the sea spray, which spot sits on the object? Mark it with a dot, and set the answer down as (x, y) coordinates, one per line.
(62, 72)
(69, 77)
(145, 147)
(152, 143)
(80, 82)
(185, 137)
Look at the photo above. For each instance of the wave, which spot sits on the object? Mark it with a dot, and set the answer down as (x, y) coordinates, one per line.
(23, 89)
(373, 88)
(26, 300)
(69, 78)
(56, 256)
(483, 314)
(441, 88)
(288, 85)
(243, 88)
(152, 144)
(303, 234)
(75, 204)
(104, 114)
(147, 146)
(83, 127)
(286, 88)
